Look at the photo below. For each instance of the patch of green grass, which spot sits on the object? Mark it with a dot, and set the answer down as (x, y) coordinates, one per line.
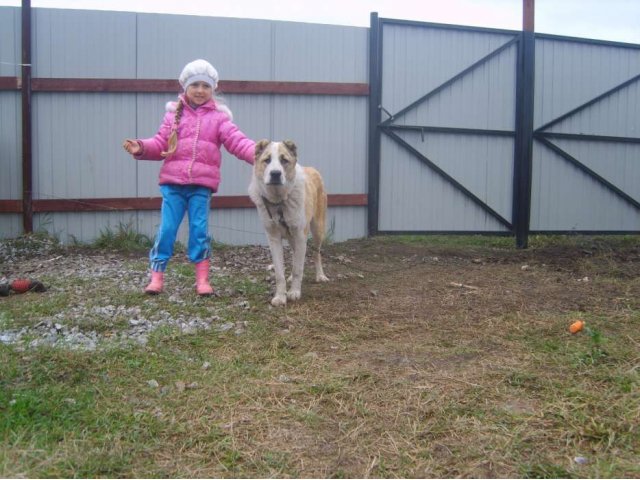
(545, 470)
(590, 242)
(186, 270)
(586, 383)
(507, 242)
(523, 380)
(278, 463)
(53, 401)
(124, 238)
(45, 413)
(307, 416)
(23, 310)
(453, 241)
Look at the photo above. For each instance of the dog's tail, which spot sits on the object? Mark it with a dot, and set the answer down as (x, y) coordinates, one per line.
(315, 189)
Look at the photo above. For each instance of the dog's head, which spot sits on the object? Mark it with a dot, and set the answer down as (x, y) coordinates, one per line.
(275, 162)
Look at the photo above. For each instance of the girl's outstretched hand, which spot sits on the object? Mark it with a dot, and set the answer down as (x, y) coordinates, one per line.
(131, 146)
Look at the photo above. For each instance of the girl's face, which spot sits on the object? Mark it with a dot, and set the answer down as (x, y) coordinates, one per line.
(199, 93)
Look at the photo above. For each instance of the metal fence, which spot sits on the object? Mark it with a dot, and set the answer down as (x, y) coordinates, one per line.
(416, 127)
(476, 133)
(100, 77)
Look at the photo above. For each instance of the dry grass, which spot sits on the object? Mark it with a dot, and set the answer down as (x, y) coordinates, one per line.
(419, 359)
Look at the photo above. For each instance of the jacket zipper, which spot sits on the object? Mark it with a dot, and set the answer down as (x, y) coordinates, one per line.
(193, 152)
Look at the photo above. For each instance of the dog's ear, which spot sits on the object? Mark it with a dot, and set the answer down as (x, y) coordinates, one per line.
(260, 146)
(291, 147)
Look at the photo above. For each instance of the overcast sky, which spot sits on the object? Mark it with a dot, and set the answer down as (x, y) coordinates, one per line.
(617, 20)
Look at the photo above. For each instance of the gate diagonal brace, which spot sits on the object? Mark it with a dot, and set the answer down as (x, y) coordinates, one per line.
(543, 136)
(448, 178)
(583, 168)
(441, 87)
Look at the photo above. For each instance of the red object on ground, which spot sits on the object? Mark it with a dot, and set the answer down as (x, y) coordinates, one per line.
(21, 285)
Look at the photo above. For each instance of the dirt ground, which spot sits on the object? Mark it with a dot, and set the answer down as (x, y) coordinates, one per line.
(399, 285)
(479, 337)
(417, 359)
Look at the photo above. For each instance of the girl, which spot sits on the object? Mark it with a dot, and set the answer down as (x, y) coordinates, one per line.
(189, 142)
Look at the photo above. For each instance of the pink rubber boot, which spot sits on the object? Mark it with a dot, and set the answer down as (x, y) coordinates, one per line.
(156, 284)
(202, 278)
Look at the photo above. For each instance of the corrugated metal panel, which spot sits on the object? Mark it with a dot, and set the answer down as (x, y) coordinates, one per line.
(569, 74)
(244, 49)
(10, 146)
(417, 59)
(10, 29)
(319, 53)
(10, 225)
(482, 99)
(82, 226)
(567, 199)
(617, 114)
(331, 135)
(10, 106)
(83, 44)
(414, 198)
(77, 150)
(10, 120)
(238, 49)
(616, 163)
(563, 195)
(265, 50)
(484, 165)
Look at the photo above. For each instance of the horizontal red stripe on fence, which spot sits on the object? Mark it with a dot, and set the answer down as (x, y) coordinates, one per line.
(10, 206)
(10, 83)
(153, 203)
(119, 85)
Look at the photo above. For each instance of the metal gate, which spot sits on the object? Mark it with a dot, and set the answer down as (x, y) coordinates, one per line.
(586, 154)
(452, 135)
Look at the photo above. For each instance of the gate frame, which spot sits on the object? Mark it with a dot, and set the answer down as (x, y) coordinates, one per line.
(523, 127)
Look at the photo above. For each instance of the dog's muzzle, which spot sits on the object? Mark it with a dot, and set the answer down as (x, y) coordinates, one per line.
(275, 177)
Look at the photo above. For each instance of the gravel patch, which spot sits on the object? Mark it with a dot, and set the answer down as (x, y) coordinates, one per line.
(93, 320)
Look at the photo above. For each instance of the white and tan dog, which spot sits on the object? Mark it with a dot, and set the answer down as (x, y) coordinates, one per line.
(290, 200)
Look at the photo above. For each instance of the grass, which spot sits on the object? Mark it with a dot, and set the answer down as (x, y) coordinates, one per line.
(536, 242)
(419, 380)
(125, 238)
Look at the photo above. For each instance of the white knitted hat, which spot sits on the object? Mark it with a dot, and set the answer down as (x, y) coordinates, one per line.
(198, 71)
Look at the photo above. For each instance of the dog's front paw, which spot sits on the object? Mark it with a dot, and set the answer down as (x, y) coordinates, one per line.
(294, 295)
(279, 301)
(322, 278)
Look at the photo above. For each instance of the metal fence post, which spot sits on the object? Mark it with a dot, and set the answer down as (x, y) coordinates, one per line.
(27, 164)
(375, 62)
(523, 148)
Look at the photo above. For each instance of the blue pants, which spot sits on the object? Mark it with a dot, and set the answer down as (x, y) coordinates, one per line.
(176, 200)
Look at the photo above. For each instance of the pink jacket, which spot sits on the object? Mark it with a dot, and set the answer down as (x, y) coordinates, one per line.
(197, 158)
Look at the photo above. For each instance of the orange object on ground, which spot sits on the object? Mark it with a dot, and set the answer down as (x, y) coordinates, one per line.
(576, 326)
